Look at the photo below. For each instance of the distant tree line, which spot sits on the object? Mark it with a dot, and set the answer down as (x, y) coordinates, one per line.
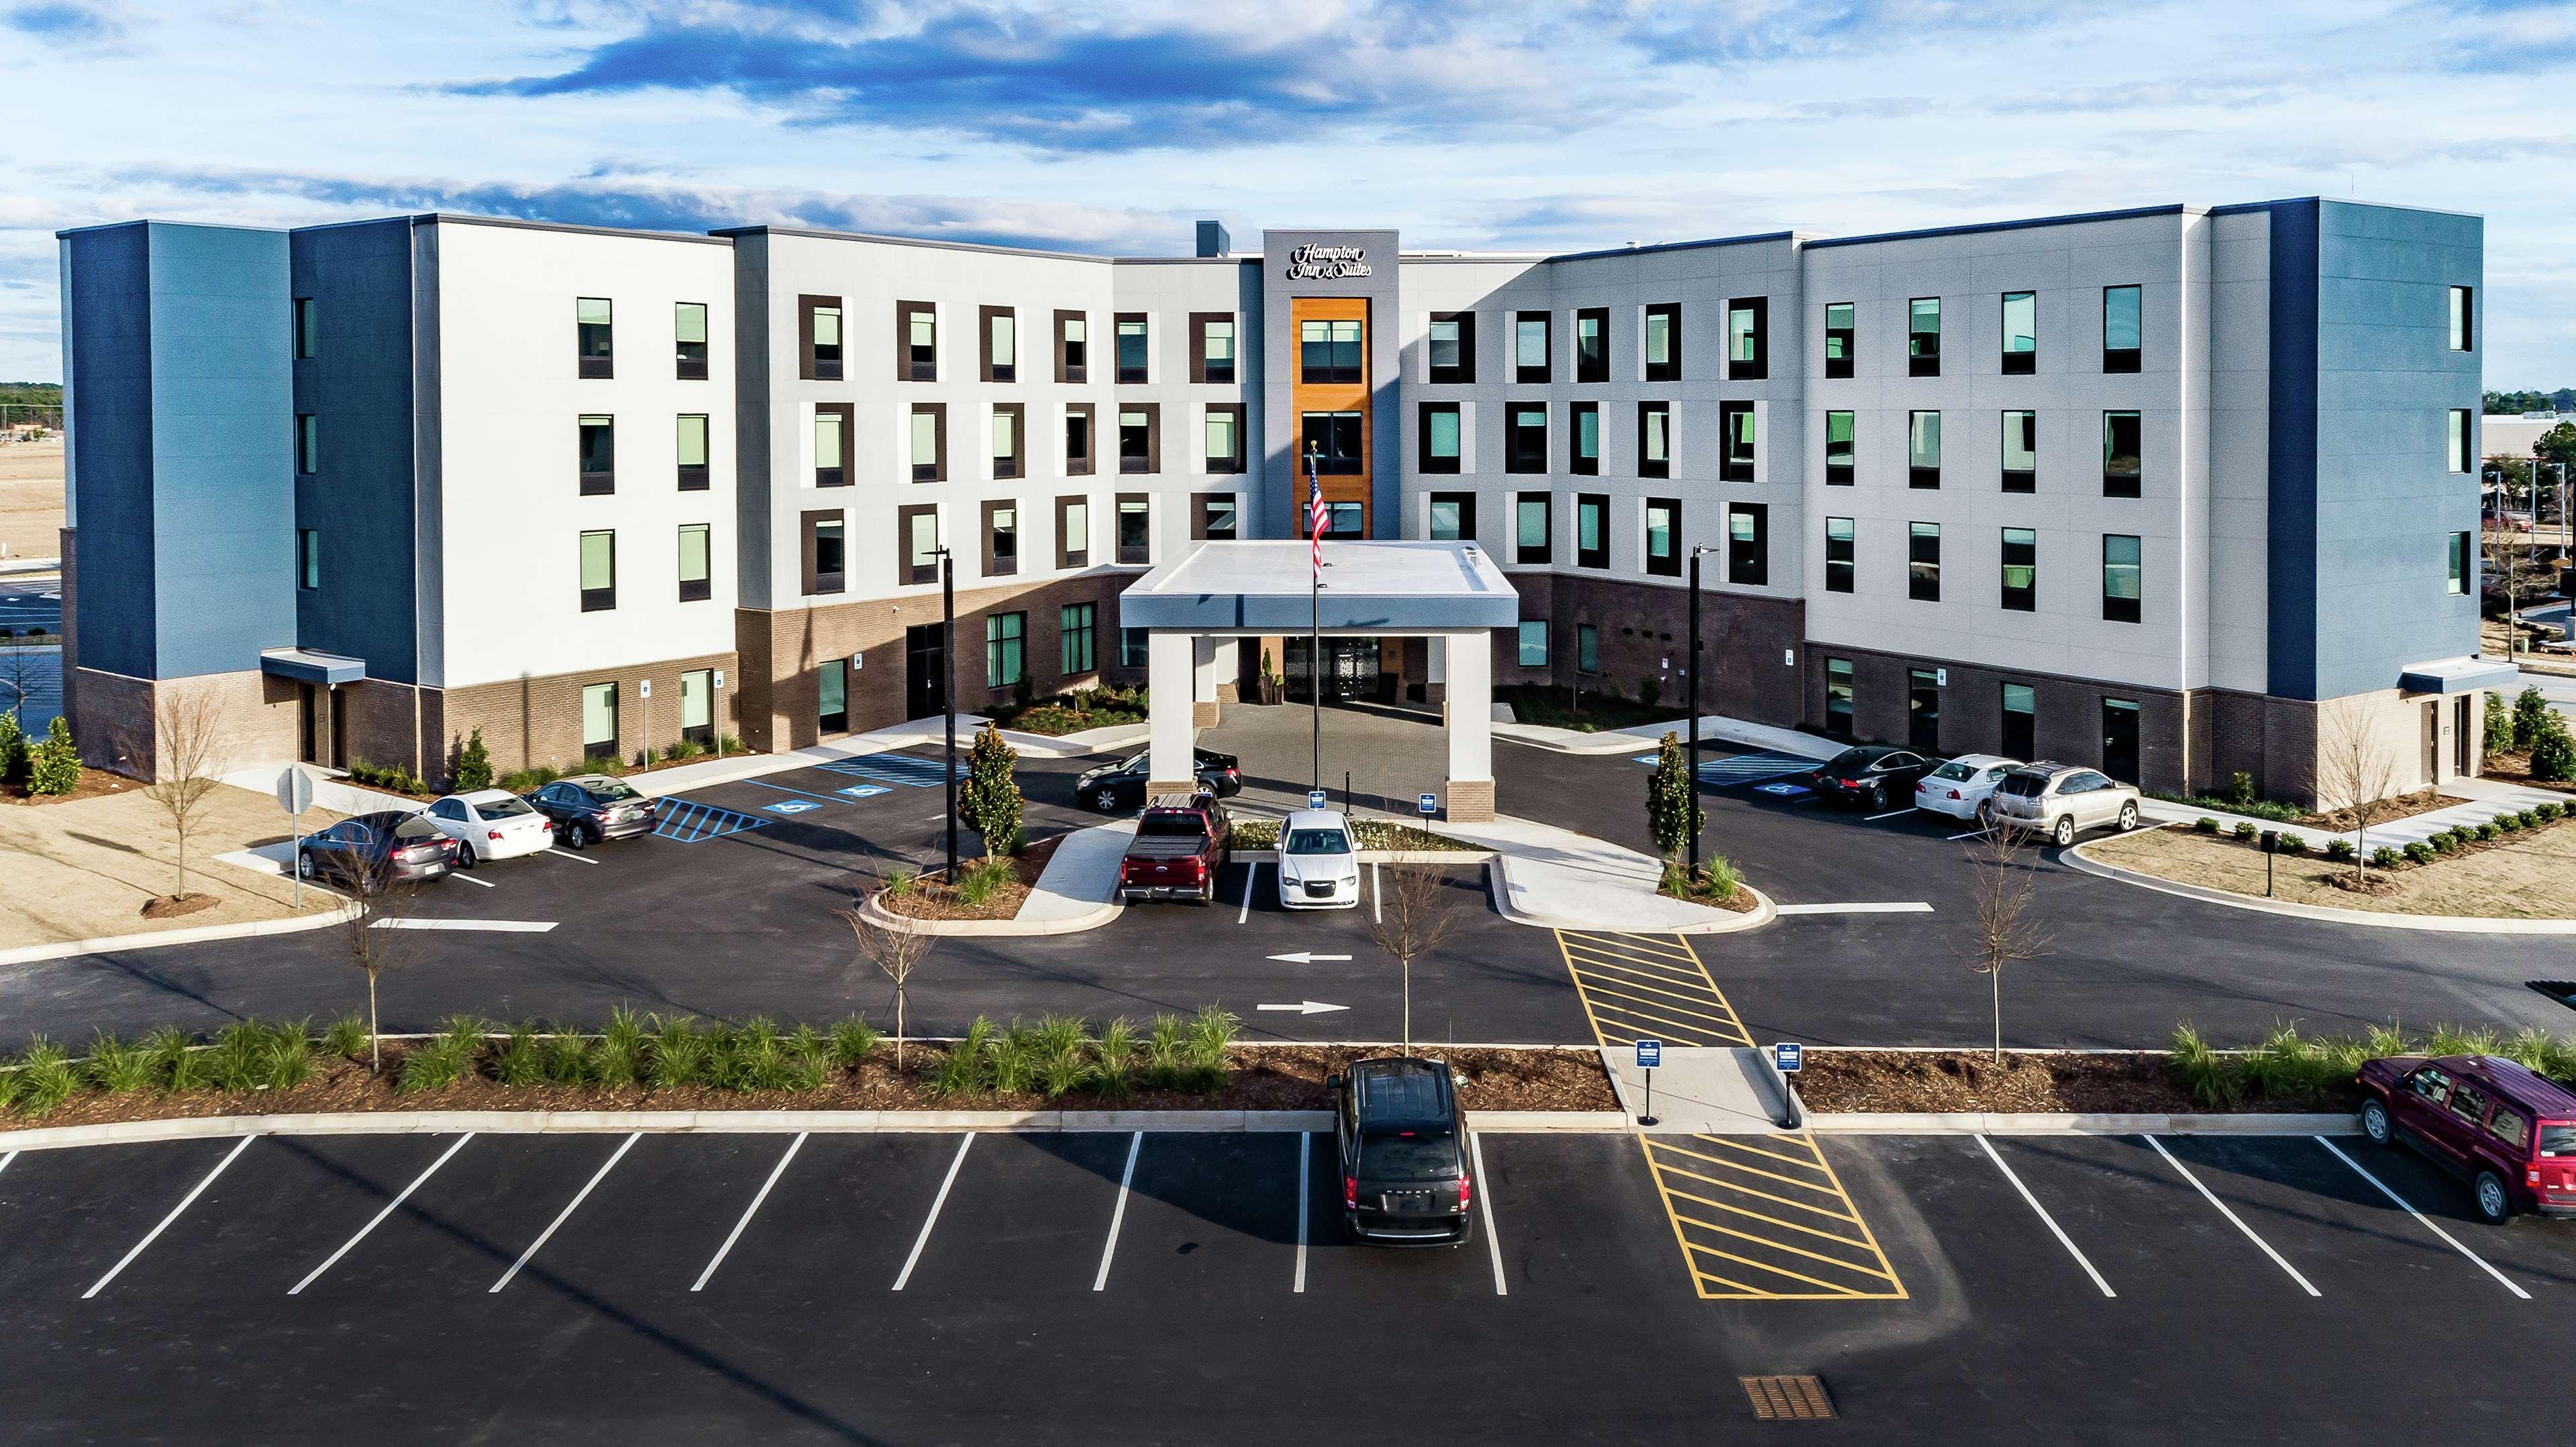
(2511, 404)
(31, 394)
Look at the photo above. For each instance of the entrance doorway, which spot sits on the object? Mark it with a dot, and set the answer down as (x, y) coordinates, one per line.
(307, 737)
(2460, 736)
(1350, 669)
(925, 672)
(1923, 710)
(2120, 739)
(2432, 743)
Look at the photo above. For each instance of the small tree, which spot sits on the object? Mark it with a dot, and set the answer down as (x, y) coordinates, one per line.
(2516, 574)
(374, 937)
(473, 764)
(2553, 752)
(1416, 912)
(2499, 722)
(185, 726)
(989, 801)
(1673, 811)
(897, 945)
(2002, 887)
(2356, 766)
(53, 767)
(18, 677)
(2532, 715)
(13, 748)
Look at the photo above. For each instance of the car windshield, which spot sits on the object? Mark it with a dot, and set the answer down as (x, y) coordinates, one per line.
(1426, 1156)
(1318, 841)
(1954, 770)
(611, 790)
(1170, 823)
(414, 829)
(502, 808)
(2022, 786)
(2558, 1140)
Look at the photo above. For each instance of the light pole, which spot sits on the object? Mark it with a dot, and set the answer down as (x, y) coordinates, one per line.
(1315, 627)
(948, 692)
(1690, 685)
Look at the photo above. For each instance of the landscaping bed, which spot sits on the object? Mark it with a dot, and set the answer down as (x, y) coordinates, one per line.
(2519, 872)
(992, 888)
(94, 784)
(1715, 885)
(1068, 713)
(1374, 836)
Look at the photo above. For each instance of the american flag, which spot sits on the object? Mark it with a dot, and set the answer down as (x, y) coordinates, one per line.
(1315, 516)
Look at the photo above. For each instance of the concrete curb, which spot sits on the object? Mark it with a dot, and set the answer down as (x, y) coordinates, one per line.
(1089, 919)
(200, 934)
(1515, 1122)
(1763, 913)
(662, 1122)
(2438, 923)
(2074, 1123)
(1383, 856)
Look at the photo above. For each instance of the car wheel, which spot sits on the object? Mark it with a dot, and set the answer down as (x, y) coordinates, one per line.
(2064, 833)
(2493, 1204)
(465, 856)
(304, 865)
(574, 837)
(2128, 817)
(1878, 798)
(1106, 801)
(2374, 1123)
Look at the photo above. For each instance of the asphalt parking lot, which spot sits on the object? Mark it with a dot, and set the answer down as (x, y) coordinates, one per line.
(1088, 1287)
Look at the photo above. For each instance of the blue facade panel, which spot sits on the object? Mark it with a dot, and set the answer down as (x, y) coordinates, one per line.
(360, 500)
(110, 368)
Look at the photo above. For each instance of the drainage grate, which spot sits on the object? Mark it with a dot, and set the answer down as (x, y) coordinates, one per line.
(1788, 1399)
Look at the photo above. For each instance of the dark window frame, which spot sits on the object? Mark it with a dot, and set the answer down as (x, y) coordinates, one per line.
(1524, 449)
(305, 327)
(1544, 551)
(1546, 369)
(308, 444)
(1670, 564)
(907, 573)
(1759, 366)
(2018, 479)
(1199, 371)
(1577, 461)
(692, 476)
(1841, 366)
(598, 600)
(697, 590)
(1332, 460)
(1841, 573)
(1922, 360)
(1670, 368)
(1077, 632)
(1920, 586)
(1144, 368)
(684, 366)
(845, 416)
(308, 559)
(1203, 526)
(599, 482)
(1006, 637)
(811, 367)
(1332, 372)
(1595, 368)
(1088, 461)
(2025, 598)
(1597, 504)
(1014, 463)
(987, 369)
(996, 564)
(1748, 563)
(2124, 359)
(937, 412)
(1237, 461)
(814, 578)
(1464, 502)
(1464, 372)
(2116, 483)
(1841, 474)
(1067, 555)
(2460, 319)
(1917, 475)
(2459, 564)
(1125, 506)
(1425, 461)
(2017, 364)
(600, 364)
(1647, 465)
(2117, 609)
(1067, 367)
(1734, 423)
(1839, 701)
(909, 365)
(1152, 461)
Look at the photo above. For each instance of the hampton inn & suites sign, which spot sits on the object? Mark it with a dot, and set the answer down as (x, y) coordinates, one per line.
(1326, 263)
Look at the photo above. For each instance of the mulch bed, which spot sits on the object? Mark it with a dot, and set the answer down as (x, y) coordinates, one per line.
(1906, 1080)
(171, 906)
(2399, 806)
(2515, 768)
(94, 783)
(931, 898)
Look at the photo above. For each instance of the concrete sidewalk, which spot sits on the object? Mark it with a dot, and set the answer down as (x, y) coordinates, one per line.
(1078, 889)
(1713, 729)
(2485, 800)
(1554, 878)
(1700, 1090)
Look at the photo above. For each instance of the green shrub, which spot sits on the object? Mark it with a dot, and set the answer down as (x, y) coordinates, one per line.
(238, 1059)
(853, 1041)
(528, 781)
(115, 1065)
(1212, 1032)
(474, 764)
(2200, 1071)
(2502, 824)
(2483, 832)
(2385, 857)
(618, 1057)
(2499, 738)
(2442, 841)
(977, 883)
(679, 1056)
(751, 1056)
(2549, 813)
(2553, 752)
(2246, 830)
(2341, 850)
(13, 749)
(2204, 825)
(9, 1088)
(346, 1037)
(392, 777)
(2419, 852)
(452, 1055)
(682, 750)
(1114, 1060)
(176, 1062)
(608, 764)
(1164, 1053)
(2240, 789)
(1011, 1058)
(53, 767)
(520, 1062)
(2528, 818)
(46, 1077)
(809, 1058)
(961, 1070)
(2533, 718)
(568, 1058)
(2294, 843)
(728, 744)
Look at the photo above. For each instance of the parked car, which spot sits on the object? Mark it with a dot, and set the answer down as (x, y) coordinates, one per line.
(1113, 787)
(1179, 848)
(1404, 1167)
(2059, 800)
(588, 808)
(2509, 1133)
(1872, 774)
(369, 851)
(1319, 861)
(490, 824)
(1961, 787)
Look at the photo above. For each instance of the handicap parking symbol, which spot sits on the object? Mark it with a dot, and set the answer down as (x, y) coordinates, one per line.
(791, 806)
(1784, 791)
(863, 791)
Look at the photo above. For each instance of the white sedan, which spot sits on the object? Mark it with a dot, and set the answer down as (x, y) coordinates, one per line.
(490, 824)
(1961, 787)
(1319, 861)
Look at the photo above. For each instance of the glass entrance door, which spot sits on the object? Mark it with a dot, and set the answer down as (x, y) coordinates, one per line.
(2120, 739)
(925, 672)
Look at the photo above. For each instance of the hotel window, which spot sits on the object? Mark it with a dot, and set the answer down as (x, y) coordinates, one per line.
(2122, 327)
(1135, 529)
(1587, 649)
(1923, 449)
(1923, 562)
(308, 336)
(2021, 452)
(2120, 446)
(1006, 439)
(1838, 339)
(930, 442)
(1135, 649)
(2463, 437)
(1838, 555)
(308, 558)
(1001, 539)
(1664, 342)
(1072, 347)
(1654, 439)
(599, 720)
(1453, 347)
(818, 323)
(1001, 339)
(598, 440)
(1735, 434)
(1663, 537)
(1005, 638)
(1072, 532)
(1077, 630)
(832, 442)
(1532, 539)
(1077, 439)
(1529, 346)
(2464, 324)
(917, 544)
(1132, 339)
(308, 444)
(1218, 519)
(1331, 443)
(1533, 643)
(2021, 570)
(1440, 438)
(1592, 344)
(1453, 517)
(694, 575)
(832, 696)
(1345, 520)
(2021, 720)
(1140, 437)
(1328, 351)
(2456, 585)
(1525, 438)
(689, 340)
(1591, 530)
(597, 338)
(1212, 347)
(826, 553)
(1841, 448)
(1222, 437)
(916, 342)
(1923, 337)
(698, 706)
(2021, 333)
(1583, 440)
(2120, 578)
(692, 452)
(1748, 338)
(598, 572)
(1748, 553)
(1838, 697)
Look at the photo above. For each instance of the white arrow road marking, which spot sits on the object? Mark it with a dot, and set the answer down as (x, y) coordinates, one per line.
(1915, 907)
(1307, 957)
(495, 926)
(1305, 1007)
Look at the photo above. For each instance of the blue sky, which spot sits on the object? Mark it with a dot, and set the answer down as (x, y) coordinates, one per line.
(1548, 124)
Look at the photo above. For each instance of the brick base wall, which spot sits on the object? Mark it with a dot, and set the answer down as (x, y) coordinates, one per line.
(1748, 642)
(117, 724)
(530, 721)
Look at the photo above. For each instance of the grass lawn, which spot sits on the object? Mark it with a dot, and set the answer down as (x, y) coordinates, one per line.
(84, 869)
(2524, 877)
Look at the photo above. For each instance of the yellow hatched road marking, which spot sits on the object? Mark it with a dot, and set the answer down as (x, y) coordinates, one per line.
(1649, 995)
(1733, 1144)
(1676, 1191)
(1698, 1225)
(1723, 1183)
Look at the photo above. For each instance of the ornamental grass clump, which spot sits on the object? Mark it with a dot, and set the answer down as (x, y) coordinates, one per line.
(521, 1061)
(567, 1058)
(679, 1053)
(853, 1041)
(346, 1037)
(1164, 1053)
(1211, 1037)
(46, 1077)
(452, 1055)
(115, 1065)
(618, 1056)
(1114, 1060)
(961, 1070)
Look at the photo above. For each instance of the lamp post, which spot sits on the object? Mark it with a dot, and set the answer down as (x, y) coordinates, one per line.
(1315, 627)
(948, 691)
(1690, 686)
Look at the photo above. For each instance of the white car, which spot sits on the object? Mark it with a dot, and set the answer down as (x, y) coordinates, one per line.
(490, 824)
(1961, 787)
(1319, 861)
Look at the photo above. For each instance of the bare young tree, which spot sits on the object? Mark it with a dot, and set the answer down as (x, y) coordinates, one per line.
(375, 937)
(18, 678)
(1416, 911)
(2003, 885)
(2359, 770)
(2517, 573)
(185, 725)
(897, 949)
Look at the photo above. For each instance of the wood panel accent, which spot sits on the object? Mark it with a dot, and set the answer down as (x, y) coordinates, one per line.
(1305, 397)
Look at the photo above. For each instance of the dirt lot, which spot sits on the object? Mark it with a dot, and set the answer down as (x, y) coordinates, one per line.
(2524, 877)
(84, 869)
(31, 498)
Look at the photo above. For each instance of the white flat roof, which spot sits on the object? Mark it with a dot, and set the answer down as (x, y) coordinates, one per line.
(1387, 587)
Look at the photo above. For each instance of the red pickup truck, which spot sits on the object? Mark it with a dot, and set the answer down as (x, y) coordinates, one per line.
(1180, 845)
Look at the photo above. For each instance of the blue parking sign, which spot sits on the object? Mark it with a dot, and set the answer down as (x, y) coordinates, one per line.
(1788, 1055)
(1430, 803)
(1314, 798)
(1650, 1053)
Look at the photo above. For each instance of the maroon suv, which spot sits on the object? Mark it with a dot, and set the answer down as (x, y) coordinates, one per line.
(2493, 1123)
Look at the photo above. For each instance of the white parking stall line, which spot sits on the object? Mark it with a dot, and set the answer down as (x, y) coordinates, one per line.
(379, 1219)
(1485, 1200)
(1890, 814)
(936, 1202)
(1971, 834)
(748, 1212)
(2277, 1258)
(1250, 878)
(1908, 907)
(487, 926)
(575, 1204)
(2045, 1219)
(5, 1160)
(1305, 1156)
(184, 1203)
(2429, 1224)
(1119, 1215)
(470, 879)
(565, 855)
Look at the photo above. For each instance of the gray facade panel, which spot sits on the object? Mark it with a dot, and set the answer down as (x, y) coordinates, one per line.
(1284, 488)
(362, 499)
(108, 365)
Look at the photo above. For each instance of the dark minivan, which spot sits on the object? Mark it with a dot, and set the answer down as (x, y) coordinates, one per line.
(1404, 1155)
(2508, 1132)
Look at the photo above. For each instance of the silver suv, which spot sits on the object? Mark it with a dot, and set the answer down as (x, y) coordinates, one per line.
(2059, 799)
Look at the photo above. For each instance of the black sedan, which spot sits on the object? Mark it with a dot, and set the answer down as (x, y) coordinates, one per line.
(588, 808)
(368, 851)
(1113, 787)
(1879, 775)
